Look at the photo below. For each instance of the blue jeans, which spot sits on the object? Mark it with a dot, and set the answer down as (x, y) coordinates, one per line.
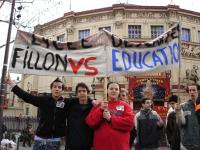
(40, 145)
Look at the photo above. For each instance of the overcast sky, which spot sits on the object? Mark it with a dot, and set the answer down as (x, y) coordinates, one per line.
(41, 11)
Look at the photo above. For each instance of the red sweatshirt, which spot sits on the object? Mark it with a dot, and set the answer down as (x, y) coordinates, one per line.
(113, 135)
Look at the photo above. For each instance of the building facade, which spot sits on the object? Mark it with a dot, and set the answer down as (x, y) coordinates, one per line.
(130, 22)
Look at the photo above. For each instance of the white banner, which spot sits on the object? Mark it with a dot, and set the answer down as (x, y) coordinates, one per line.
(135, 61)
(102, 54)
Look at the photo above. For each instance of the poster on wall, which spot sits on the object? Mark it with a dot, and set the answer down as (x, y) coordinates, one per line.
(154, 88)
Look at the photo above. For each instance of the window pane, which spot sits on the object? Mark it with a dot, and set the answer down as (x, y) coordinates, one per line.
(156, 31)
(61, 38)
(84, 34)
(108, 28)
(185, 35)
(27, 111)
(134, 31)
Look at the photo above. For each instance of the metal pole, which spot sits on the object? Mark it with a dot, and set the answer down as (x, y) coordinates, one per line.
(4, 70)
(179, 68)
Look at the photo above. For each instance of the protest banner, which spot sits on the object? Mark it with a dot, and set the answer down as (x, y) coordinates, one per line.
(102, 54)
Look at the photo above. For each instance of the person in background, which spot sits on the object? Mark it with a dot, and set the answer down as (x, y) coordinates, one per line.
(172, 128)
(79, 135)
(4, 130)
(52, 123)
(112, 121)
(148, 124)
(188, 120)
(27, 135)
(124, 97)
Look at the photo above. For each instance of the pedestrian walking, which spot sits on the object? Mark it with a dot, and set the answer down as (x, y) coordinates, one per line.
(148, 126)
(111, 121)
(52, 123)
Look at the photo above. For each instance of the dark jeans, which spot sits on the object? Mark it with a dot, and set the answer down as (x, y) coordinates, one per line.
(27, 140)
(42, 145)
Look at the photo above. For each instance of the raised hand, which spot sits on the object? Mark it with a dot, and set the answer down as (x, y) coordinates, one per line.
(8, 80)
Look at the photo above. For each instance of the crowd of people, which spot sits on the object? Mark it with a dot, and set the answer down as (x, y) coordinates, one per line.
(111, 124)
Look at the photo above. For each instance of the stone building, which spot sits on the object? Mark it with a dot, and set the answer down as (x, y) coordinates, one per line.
(130, 22)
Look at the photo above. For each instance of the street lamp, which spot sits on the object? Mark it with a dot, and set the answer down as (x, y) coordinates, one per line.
(93, 89)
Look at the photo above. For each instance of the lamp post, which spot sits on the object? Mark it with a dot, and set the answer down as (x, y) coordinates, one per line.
(93, 89)
(5, 65)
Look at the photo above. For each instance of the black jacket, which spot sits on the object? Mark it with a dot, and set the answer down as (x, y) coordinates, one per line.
(79, 135)
(147, 131)
(52, 123)
(173, 132)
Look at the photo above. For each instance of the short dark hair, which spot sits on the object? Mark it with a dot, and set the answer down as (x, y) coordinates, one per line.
(173, 98)
(83, 85)
(57, 80)
(144, 99)
(193, 84)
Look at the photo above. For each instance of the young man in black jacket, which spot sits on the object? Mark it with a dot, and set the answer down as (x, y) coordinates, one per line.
(52, 123)
(79, 135)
